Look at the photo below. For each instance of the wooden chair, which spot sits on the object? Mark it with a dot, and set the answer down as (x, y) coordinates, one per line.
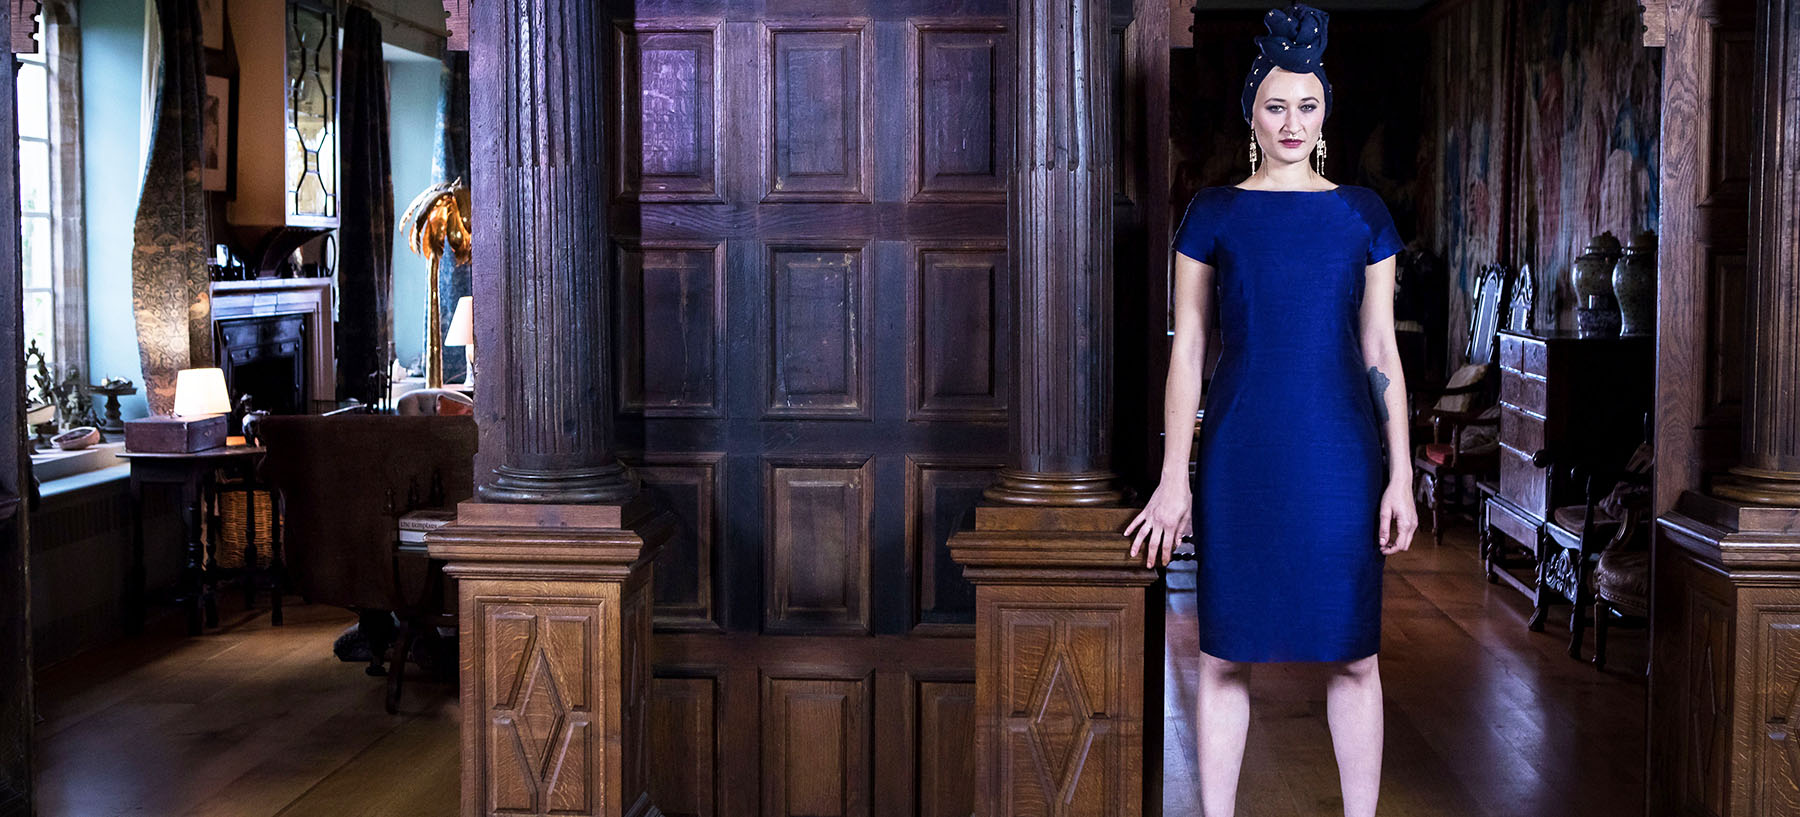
(1571, 541)
(346, 483)
(1461, 419)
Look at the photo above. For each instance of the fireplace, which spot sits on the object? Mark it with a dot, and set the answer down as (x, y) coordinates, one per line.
(265, 357)
(273, 338)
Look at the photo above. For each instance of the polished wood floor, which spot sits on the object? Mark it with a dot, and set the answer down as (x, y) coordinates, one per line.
(1483, 718)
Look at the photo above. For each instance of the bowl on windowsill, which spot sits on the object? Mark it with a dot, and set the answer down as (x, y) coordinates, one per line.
(76, 438)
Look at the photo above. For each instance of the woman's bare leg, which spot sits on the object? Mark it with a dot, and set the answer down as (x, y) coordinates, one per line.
(1222, 720)
(1353, 708)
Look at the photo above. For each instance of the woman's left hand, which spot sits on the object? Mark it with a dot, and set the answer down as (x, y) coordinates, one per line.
(1399, 518)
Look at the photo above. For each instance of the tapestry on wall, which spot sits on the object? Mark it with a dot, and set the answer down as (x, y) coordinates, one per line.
(449, 163)
(1544, 129)
(170, 289)
(365, 235)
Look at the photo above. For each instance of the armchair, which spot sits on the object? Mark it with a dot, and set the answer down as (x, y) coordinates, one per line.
(1461, 419)
(1575, 537)
(346, 482)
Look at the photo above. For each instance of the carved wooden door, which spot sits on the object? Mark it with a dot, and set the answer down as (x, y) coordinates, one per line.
(810, 220)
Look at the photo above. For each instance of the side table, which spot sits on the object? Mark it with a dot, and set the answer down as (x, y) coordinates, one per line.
(195, 474)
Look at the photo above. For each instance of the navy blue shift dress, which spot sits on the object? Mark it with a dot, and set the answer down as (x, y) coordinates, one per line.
(1290, 466)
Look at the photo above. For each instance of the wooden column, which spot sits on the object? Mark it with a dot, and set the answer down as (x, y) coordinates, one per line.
(541, 276)
(1061, 245)
(1725, 651)
(1061, 610)
(553, 563)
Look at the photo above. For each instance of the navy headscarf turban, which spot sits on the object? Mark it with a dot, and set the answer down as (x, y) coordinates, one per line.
(1295, 42)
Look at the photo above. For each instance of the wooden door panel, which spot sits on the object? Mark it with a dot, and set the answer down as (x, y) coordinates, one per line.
(939, 491)
(684, 713)
(957, 334)
(946, 749)
(817, 747)
(820, 306)
(689, 485)
(816, 116)
(671, 322)
(818, 539)
(668, 86)
(956, 67)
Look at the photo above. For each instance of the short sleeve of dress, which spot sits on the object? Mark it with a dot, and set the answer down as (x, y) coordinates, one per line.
(1199, 228)
(1384, 239)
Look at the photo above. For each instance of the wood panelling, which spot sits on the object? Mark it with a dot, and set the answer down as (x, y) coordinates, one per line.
(957, 69)
(958, 363)
(671, 329)
(1724, 278)
(820, 306)
(817, 746)
(685, 745)
(1778, 710)
(539, 706)
(940, 491)
(690, 486)
(946, 748)
(1690, 682)
(669, 143)
(820, 513)
(1734, 130)
(817, 126)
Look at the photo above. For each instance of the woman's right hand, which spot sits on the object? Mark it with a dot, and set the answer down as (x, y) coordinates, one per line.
(1158, 528)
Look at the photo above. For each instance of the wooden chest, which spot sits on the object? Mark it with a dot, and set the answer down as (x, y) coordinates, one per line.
(174, 435)
(1573, 399)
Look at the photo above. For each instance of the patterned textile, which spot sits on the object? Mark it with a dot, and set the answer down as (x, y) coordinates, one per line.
(449, 163)
(170, 294)
(365, 235)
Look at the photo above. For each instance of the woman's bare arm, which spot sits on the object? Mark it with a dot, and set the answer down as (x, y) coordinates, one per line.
(1381, 354)
(1169, 513)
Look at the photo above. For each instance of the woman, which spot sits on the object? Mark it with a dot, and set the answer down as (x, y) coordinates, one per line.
(1295, 511)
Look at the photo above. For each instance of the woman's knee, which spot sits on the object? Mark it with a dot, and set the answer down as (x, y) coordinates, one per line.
(1361, 669)
(1222, 669)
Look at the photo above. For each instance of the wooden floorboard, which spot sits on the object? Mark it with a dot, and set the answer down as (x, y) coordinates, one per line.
(1484, 719)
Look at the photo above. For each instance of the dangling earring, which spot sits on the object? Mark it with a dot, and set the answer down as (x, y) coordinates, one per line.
(1255, 158)
(1319, 156)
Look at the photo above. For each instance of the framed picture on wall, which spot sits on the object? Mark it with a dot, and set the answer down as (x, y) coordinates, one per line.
(212, 24)
(217, 134)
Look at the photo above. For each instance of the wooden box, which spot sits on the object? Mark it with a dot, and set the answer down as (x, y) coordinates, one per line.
(174, 435)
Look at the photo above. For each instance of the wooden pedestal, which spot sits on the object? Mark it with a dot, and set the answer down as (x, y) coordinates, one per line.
(1725, 661)
(1059, 661)
(555, 642)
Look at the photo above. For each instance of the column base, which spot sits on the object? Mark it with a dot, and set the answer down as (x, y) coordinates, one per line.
(563, 486)
(554, 608)
(1092, 488)
(1759, 486)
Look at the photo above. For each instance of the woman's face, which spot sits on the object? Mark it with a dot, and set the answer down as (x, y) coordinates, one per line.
(1290, 108)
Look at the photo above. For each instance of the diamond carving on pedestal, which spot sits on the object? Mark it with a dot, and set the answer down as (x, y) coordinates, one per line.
(541, 716)
(1060, 723)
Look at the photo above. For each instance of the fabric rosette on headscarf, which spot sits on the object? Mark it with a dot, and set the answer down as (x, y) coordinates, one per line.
(1295, 42)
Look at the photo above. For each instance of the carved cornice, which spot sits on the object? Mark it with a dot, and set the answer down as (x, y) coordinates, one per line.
(1735, 536)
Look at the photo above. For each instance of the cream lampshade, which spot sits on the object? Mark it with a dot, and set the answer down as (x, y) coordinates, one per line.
(462, 333)
(199, 392)
(462, 324)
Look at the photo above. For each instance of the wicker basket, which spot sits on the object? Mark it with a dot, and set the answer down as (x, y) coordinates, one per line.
(230, 550)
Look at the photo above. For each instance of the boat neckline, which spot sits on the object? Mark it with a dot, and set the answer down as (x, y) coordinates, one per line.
(1262, 190)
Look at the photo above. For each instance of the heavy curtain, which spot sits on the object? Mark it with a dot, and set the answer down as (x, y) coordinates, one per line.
(450, 162)
(170, 296)
(366, 230)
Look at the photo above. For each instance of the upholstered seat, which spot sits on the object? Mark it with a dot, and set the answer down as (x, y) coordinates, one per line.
(1622, 578)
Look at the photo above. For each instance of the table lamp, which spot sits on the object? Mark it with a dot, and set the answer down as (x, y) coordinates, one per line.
(462, 333)
(200, 392)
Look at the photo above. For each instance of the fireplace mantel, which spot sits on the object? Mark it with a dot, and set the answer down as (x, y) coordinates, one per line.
(310, 297)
